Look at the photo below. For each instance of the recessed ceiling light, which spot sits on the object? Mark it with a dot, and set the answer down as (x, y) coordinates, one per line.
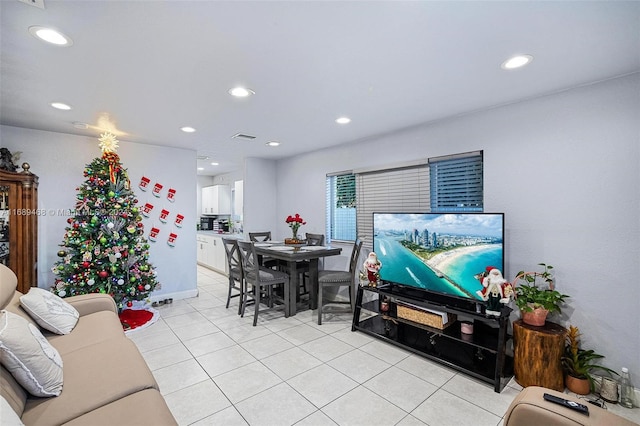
(60, 105)
(343, 120)
(241, 92)
(80, 125)
(187, 129)
(273, 143)
(516, 62)
(201, 168)
(214, 163)
(50, 36)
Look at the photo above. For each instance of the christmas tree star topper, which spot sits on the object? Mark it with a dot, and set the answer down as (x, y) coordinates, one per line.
(108, 142)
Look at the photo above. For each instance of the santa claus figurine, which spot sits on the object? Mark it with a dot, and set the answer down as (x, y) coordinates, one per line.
(372, 265)
(496, 292)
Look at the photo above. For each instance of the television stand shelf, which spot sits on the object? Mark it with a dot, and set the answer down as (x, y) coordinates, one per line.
(481, 355)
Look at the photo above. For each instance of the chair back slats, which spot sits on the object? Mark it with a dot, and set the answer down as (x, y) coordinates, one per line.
(250, 265)
(236, 277)
(355, 254)
(315, 239)
(233, 253)
(257, 237)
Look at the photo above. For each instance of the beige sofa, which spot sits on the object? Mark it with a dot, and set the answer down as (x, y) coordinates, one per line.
(530, 409)
(106, 381)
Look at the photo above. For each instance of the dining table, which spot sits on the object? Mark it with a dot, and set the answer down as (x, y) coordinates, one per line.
(293, 255)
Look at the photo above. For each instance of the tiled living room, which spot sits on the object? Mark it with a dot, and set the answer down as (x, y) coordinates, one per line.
(189, 126)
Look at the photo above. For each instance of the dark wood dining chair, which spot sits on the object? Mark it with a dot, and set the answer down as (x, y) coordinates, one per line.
(262, 280)
(303, 267)
(260, 237)
(235, 271)
(336, 279)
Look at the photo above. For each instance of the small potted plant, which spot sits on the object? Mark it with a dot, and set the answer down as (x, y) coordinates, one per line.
(536, 296)
(579, 363)
(294, 223)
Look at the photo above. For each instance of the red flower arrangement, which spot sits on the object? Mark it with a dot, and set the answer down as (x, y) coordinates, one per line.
(294, 223)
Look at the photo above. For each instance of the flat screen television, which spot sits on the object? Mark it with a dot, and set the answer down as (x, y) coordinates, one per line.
(441, 253)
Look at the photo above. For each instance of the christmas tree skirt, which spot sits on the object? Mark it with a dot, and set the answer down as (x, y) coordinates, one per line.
(138, 318)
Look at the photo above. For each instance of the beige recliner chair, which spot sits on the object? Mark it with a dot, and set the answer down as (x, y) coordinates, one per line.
(530, 409)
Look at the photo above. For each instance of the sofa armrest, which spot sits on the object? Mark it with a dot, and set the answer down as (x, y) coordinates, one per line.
(90, 303)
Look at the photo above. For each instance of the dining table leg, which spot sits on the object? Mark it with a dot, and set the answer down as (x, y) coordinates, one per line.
(293, 286)
(313, 278)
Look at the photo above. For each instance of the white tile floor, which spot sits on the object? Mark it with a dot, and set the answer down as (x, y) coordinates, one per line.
(215, 368)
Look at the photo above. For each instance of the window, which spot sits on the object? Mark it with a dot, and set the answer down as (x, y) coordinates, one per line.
(341, 207)
(442, 184)
(456, 183)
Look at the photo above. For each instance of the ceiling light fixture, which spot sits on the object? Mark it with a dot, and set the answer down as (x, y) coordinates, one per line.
(214, 163)
(516, 62)
(343, 120)
(60, 105)
(50, 36)
(80, 125)
(200, 168)
(241, 92)
(187, 129)
(273, 143)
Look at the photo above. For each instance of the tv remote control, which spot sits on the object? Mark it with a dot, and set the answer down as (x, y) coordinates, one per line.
(569, 404)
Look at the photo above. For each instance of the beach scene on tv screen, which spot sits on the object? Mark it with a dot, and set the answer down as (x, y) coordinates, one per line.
(438, 252)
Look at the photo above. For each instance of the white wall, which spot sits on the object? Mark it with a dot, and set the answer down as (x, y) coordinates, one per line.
(564, 169)
(59, 161)
(260, 196)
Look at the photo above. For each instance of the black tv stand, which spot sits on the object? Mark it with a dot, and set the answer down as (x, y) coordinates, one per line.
(481, 355)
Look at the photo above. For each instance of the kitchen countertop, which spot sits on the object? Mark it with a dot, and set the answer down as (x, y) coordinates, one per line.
(221, 234)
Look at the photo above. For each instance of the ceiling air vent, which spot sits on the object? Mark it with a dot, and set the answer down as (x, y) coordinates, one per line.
(37, 3)
(243, 136)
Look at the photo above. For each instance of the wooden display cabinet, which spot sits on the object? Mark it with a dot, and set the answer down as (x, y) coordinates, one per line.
(19, 225)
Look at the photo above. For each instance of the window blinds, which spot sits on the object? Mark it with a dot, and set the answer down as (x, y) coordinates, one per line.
(456, 183)
(404, 189)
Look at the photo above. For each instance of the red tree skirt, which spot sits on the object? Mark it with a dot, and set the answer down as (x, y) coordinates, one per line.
(134, 318)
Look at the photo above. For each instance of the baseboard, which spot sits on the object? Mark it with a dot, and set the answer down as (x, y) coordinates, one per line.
(178, 295)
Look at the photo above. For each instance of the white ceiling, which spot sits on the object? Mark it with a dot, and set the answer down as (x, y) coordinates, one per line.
(155, 66)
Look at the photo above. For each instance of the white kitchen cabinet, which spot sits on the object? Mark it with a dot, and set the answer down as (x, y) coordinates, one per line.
(216, 200)
(211, 253)
(202, 249)
(218, 257)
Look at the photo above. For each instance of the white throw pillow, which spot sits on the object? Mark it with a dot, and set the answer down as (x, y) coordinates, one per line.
(8, 416)
(50, 311)
(29, 357)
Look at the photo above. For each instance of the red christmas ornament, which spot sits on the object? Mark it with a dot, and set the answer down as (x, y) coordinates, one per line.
(103, 274)
(129, 303)
(85, 264)
(140, 288)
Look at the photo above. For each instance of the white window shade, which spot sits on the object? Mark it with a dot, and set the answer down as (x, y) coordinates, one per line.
(397, 190)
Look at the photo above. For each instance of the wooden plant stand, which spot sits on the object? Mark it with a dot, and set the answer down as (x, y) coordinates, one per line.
(537, 353)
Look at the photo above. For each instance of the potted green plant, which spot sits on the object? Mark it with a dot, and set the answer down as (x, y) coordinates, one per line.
(579, 363)
(536, 296)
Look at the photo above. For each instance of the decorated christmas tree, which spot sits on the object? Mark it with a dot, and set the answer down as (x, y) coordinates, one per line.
(104, 249)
